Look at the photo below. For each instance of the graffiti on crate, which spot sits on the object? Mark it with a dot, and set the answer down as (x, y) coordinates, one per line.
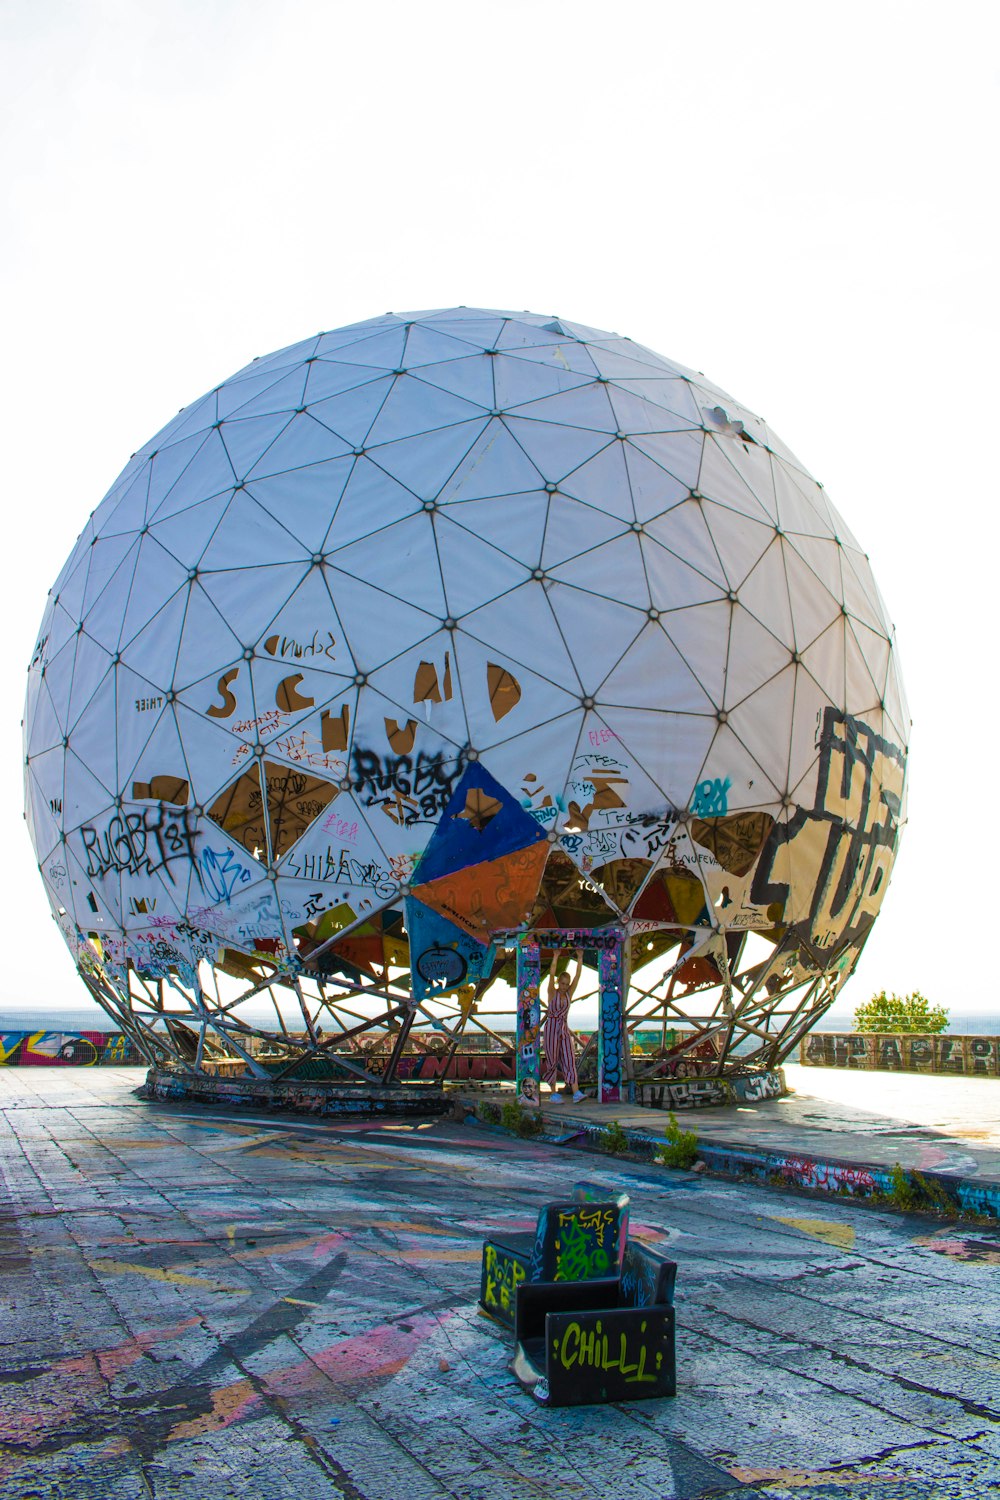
(585, 1244)
(501, 1274)
(603, 1346)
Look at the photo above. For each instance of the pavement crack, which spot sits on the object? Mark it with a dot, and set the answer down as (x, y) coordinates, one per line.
(970, 1408)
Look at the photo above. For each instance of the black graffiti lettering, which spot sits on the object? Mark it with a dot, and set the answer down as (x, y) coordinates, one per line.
(861, 832)
(139, 843)
(409, 789)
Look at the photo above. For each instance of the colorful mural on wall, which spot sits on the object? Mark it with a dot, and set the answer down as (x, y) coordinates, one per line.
(902, 1053)
(73, 1049)
(438, 630)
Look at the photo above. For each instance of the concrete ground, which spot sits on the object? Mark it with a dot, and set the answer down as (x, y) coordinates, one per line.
(203, 1306)
(930, 1122)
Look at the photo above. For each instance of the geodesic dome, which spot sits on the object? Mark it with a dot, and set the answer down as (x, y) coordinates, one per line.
(444, 627)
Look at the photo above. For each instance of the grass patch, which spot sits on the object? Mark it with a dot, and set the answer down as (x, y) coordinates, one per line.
(522, 1122)
(681, 1146)
(914, 1193)
(614, 1139)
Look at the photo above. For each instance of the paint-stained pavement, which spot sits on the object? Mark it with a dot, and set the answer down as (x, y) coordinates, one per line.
(204, 1306)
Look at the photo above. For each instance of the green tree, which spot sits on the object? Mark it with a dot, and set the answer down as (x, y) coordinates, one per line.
(900, 1013)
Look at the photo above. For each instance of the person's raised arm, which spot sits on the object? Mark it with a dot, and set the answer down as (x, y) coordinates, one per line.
(579, 971)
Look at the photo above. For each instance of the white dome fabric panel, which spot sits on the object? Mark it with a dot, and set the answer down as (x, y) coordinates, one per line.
(447, 540)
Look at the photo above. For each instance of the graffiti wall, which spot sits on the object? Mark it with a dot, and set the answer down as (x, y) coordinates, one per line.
(703, 1093)
(62, 1049)
(901, 1053)
(474, 1067)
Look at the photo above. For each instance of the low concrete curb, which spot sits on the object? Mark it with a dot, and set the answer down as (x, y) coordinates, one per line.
(321, 1098)
(933, 1192)
(939, 1192)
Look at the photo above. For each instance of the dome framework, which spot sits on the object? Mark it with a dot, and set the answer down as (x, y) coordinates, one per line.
(425, 648)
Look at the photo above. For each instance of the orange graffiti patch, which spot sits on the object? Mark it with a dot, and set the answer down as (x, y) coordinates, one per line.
(229, 1403)
(808, 1476)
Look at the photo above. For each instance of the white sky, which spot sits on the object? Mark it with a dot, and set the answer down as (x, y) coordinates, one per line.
(798, 200)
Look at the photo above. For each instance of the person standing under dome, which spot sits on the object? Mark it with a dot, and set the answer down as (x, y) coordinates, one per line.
(557, 1043)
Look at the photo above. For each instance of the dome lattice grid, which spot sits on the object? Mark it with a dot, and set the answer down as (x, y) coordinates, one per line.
(442, 627)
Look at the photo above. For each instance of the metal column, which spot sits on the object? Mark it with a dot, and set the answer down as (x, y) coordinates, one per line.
(611, 1024)
(529, 1019)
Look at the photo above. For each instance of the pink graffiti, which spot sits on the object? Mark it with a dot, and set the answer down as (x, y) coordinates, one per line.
(827, 1175)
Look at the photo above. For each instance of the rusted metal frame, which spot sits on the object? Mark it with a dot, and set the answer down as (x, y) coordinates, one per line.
(450, 1056)
(154, 1001)
(755, 975)
(397, 1051)
(265, 984)
(245, 995)
(643, 1070)
(137, 1026)
(277, 1012)
(227, 1036)
(463, 1018)
(137, 1035)
(332, 1012)
(391, 1001)
(662, 1001)
(680, 1050)
(134, 1016)
(343, 1030)
(348, 987)
(665, 1000)
(438, 1025)
(303, 1007)
(342, 1062)
(488, 1031)
(315, 1047)
(726, 1002)
(323, 1047)
(813, 1012)
(802, 1010)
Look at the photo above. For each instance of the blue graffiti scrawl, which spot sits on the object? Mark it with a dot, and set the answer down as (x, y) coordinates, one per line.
(711, 798)
(221, 873)
(609, 1038)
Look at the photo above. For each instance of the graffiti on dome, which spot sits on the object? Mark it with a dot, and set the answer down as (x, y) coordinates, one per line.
(138, 843)
(337, 866)
(848, 838)
(221, 873)
(711, 798)
(267, 760)
(294, 800)
(321, 643)
(408, 789)
(598, 786)
(638, 836)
